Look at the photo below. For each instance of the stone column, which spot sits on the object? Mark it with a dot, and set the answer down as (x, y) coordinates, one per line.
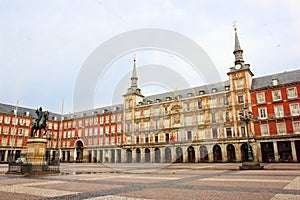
(258, 156)
(185, 154)
(197, 154)
(276, 156)
(98, 156)
(133, 155)
(210, 153)
(123, 156)
(152, 155)
(224, 153)
(294, 153)
(142, 155)
(93, 155)
(72, 157)
(238, 153)
(162, 155)
(173, 154)
(6, 155)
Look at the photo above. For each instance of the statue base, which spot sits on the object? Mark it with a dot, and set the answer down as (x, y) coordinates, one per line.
(35, 160)
(251, 166)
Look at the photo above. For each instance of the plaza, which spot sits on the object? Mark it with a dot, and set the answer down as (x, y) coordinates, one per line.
(156, 181)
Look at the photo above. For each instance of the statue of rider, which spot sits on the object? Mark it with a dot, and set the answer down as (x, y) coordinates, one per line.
(39, 113)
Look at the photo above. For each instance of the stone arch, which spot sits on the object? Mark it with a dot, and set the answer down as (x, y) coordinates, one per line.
(179, 155)
(231, 153)
(244, 151)
(147, 155)
(217, 151)
(138, 155)
(157, 155)
(203, 153)
(191, 154)
(128, 156)
(79, 150)
(168, 155)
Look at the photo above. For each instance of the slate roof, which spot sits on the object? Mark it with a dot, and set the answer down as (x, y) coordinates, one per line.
(283, 78)
(9, 109)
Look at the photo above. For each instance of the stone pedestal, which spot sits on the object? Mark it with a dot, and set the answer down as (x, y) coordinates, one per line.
(251, 166)
(35, 156)
(36, 150)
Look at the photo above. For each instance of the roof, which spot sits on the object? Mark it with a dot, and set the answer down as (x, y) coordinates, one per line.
(22, 111)
(283, 78)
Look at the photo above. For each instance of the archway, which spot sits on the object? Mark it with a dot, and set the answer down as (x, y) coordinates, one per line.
(129, 155)
(79, 151)
(157, 155)
(138, 155)
(231, 153)
(191, 154)
(203, 153)
(147, 155)
(168, 155)
(179, 155)
(217, 153)
(244, 150)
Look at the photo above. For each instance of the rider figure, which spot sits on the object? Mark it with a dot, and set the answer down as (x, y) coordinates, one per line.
(39, 113)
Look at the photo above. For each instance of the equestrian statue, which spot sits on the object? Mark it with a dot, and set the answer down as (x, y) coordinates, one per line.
(39, 123)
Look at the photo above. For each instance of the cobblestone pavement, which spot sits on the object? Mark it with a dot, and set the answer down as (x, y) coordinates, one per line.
(155, 181)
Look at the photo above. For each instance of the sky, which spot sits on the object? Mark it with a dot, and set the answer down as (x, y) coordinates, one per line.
(44, 45)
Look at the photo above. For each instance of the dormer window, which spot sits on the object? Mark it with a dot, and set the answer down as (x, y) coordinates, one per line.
(275, 82)
(227, 88)
(189, 94)
(214, 90)
(149, 102)
(201, 92)
(168, 98)
(157, 100)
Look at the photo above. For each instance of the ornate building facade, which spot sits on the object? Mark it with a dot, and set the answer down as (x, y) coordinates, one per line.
(199, 124)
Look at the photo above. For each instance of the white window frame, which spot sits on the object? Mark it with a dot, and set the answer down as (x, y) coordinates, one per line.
(260, 98)
(260, 113)
(295, 112)
(288, 92)
(276, 95)
(296, 126)
(281, 128)
(278, 111)
(266, 131)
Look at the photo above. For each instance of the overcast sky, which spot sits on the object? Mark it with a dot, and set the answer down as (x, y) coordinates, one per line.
(44, 44)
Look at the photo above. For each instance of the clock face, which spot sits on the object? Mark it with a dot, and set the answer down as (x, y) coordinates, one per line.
(238, 66)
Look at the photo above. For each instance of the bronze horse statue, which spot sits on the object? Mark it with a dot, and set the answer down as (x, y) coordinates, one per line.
(40, 122)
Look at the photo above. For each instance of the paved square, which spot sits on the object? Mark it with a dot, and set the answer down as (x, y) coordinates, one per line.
(155, 181)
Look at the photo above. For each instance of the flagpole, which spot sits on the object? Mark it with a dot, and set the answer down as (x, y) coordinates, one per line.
(60, 130)
(14, 132)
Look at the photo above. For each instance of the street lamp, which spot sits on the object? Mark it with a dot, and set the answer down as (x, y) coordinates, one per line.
(246, 117)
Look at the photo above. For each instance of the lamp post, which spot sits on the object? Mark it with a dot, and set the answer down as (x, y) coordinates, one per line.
(246, 117)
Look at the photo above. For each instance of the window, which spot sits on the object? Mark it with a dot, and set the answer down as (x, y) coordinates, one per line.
(226, 100)
(278, 110)
(1, 119)
(296, 127)
(119, 117)
(101, 120)
(213, 117)
(119, 128)
(262, 113)
(239, 84)
(261, 97)
(189, 135)
(200, 104)
(138, 114)
(212, 102)
(106, 129)
(215, 133)
(294, 108)
(281, 128)
(146, 113)
(240, 99)
(276, 94)
(107, 119)
(201, 118)
(243, 131)
(4, 142)
(7, 120)
(227, 116)
(166, 123)
(228, 132)
(79, 123)
(27, 122)
(96, 121)
(20, 131)
(291, 93)
(101, 130)
(113, 118)
(146, 125)
(264, 129)
(188, 106)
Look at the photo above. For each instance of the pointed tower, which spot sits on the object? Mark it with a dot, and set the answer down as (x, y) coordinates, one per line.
(238, 52)
(134, 78)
